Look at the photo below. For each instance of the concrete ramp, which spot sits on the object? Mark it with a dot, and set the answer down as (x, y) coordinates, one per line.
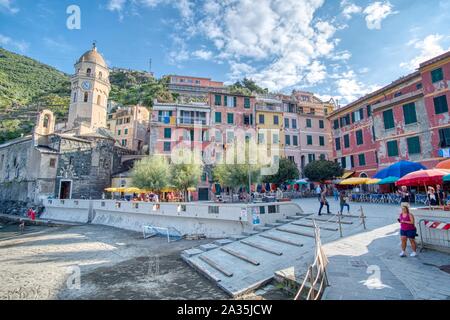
(252, 260)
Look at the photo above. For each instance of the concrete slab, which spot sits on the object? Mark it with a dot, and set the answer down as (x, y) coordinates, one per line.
(208, 246)
(222, 242)
(191, 252)
(250, 233)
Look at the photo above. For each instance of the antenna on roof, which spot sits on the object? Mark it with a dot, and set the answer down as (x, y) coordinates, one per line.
(94, 45)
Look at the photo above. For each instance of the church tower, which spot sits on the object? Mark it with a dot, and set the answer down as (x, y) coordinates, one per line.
(90, 91)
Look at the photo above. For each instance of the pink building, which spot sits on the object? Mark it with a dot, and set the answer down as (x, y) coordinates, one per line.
(405, 120)
(314, 129)
(231, 114)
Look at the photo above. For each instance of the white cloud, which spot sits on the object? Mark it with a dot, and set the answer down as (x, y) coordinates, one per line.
(281, 36)
(428, 48)
(341, 56)
(349, 88)
(8, 6)
(239, 70)
(20, 45)
(377, 12)
(116, 5)
(349, 9)
(202, 54)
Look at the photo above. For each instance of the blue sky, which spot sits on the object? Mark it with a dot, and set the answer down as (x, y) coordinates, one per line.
(335, 48)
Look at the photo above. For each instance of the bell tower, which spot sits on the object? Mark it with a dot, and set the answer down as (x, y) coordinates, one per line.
(90, 91)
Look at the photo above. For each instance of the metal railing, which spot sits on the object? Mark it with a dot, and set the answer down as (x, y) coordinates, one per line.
(315, 280)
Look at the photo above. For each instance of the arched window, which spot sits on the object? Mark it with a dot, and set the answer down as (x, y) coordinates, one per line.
(100, 75)
(99, 99)
(88, 71)
(86, 97)
(75, 96)
(46, 121)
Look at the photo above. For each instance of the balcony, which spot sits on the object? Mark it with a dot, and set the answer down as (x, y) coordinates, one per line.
(269, 107)
(191, 121)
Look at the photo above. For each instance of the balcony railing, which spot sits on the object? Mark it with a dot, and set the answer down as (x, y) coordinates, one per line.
(188, 120)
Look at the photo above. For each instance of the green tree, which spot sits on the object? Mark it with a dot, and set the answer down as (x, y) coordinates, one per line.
(323, 170)
(10, 129)
(287, 170)
(247, 87)
(185, 172)
(151, 173)
(237, 174)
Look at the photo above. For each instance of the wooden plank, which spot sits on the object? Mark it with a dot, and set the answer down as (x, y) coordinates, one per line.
(216, 266)
(240, 256)
(281, 240)
(296, 232)
(260, 247)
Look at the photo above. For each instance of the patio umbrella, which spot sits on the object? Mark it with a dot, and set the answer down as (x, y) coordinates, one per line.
(132, 190)
(373, 181)
(446, 178)
(301, 182)
(192, 189)
(423, 177)
(399, 169)
(388, 180)
(443, 165)
(354, 181)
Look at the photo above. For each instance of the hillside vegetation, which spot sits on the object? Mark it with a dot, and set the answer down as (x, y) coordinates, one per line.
(27, 86)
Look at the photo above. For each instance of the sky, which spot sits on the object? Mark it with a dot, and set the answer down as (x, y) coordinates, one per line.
(335, 48)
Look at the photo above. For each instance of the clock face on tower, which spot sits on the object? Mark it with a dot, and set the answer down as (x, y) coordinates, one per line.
(86, 85)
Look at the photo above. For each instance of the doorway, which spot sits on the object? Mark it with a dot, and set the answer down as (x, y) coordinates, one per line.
(203, 194)
(65, 189)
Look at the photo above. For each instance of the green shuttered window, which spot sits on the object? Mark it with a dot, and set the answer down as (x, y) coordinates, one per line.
(388, 118)
(392, 148)
(409, 113)
(359, 137)
(413, 145)
(440, 104)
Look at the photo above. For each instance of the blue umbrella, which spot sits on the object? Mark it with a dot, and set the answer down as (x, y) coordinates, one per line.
(399, 169)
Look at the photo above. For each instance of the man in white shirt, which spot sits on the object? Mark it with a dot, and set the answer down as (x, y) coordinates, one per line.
(318, 191)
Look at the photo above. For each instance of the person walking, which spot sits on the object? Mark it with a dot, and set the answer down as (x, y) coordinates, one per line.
(405, 197)
(343, 202)
(407, 231)
(324, 202)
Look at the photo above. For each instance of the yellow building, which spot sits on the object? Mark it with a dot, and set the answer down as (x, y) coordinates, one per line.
(130, 127)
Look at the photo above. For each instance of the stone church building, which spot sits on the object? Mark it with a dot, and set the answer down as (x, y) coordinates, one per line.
(76, 161)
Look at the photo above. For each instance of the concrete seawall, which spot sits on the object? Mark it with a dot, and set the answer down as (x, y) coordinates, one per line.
(213, 220)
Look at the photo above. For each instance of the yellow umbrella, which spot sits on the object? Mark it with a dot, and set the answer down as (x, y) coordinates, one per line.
(132, 190)
(354, 181)
(373, 181)
(192, 189)
(110, 189)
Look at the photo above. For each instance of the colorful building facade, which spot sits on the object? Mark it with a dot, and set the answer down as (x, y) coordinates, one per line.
(314, 129)
(405, 120)
(130, 127)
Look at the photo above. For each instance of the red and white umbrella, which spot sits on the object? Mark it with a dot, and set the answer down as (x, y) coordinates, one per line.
(423, 177)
